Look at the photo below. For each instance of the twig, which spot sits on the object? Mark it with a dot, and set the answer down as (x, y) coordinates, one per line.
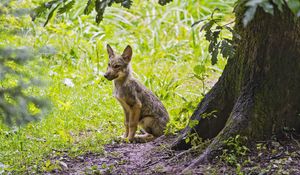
(180, 155)
(150, 163)
(231, 22)
(277, 155)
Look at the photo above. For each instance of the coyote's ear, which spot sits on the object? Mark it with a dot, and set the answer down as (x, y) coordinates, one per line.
(110, 51)
(127, 54)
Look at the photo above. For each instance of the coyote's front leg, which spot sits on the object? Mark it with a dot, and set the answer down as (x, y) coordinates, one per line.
(126, 123)
(134, 117)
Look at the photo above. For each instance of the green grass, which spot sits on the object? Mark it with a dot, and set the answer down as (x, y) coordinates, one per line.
(84, 117)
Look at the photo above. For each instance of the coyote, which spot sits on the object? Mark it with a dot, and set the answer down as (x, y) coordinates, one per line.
(140, 105)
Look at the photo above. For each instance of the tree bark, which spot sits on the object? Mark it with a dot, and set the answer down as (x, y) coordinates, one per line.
(258, 93)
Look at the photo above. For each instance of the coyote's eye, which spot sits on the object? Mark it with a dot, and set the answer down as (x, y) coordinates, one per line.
(109, 64)
(117, 66)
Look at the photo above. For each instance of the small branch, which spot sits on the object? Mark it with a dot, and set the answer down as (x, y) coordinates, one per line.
(231, 22)
(189, 151)
(277, 155)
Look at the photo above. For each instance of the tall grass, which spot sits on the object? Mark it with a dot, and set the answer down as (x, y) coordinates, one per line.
(84, 115)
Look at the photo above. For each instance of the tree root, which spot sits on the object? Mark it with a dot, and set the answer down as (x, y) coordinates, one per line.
(212, 114)
(236, 124)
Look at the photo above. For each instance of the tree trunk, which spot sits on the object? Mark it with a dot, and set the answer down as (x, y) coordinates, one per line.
(258, 93)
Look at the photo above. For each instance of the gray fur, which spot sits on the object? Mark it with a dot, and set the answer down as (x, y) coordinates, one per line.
(134, 96)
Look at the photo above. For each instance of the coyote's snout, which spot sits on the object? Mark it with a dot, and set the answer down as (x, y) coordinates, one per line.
(140, 105)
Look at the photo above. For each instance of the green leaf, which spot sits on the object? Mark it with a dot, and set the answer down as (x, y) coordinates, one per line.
(207, 26)
(37, 12)
(89, 7)
(268, 7)
(215, 35)
(193, 123)
(226, 49)
(279, 4)
(249, 15)
(229, 29)
(110, 2)
(164, 2)
(67, 7)
(100, 8)
(187, 140)
(208, 35)
(252, 6)
(127, 3)
(50, 3)
(214, 54)
(50, 15)
(211, 47)
(294, 5)
(253, 3)
(199, 69)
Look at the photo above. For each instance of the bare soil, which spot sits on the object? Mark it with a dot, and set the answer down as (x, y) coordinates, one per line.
(270, 157)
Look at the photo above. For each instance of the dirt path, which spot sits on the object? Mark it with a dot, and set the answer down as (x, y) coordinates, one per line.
(156, 158)
(150, 158)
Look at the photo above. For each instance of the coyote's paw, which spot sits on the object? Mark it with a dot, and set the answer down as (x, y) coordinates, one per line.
(132, 140)
(124, 139)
